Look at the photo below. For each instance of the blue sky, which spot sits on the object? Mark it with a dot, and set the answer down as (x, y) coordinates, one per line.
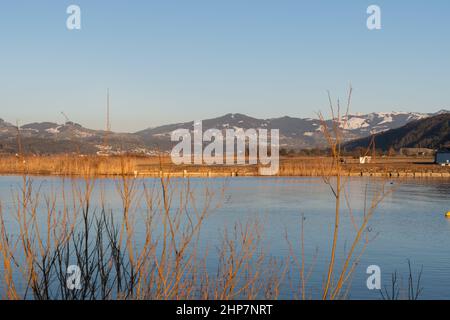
(168, 61)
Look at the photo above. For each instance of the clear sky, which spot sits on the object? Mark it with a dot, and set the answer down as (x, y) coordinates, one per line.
(168, 61)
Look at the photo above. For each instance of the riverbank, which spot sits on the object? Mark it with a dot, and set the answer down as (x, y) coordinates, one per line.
(69, 165)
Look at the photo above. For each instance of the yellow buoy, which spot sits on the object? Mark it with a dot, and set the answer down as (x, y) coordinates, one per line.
(447, 214)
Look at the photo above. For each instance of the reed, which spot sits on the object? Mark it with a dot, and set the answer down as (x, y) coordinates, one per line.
(310, 166)
(67, 165)
(398, 290)
(335, 175)
(47, 233)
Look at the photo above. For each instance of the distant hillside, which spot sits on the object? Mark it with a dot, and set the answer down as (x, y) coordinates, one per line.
(432, 132)
(53, 138)
(295, 133)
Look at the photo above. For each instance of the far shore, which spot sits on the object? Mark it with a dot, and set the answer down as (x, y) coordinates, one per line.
(305, 166)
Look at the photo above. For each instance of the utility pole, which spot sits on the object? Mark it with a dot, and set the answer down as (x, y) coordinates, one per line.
(374, 152)
(19, 141)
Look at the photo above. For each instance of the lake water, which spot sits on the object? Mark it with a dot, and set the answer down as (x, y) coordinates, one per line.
(408, 224)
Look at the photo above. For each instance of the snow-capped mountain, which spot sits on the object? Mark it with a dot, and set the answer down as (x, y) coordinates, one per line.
(377, 122)
(430, 132)
(49, 137)
(295, 133)
(54, 130)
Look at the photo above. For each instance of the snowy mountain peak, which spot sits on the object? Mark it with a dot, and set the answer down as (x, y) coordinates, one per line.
(295, 133)
(380, 121)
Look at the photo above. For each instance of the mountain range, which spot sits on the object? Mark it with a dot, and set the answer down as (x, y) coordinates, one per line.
(432, 132)
(295, 133)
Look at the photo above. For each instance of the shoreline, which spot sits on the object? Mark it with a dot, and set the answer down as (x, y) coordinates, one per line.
(212, 175)
(156, 167)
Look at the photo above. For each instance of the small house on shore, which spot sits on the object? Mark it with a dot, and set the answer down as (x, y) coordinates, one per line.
(443, 157)
(365, 159)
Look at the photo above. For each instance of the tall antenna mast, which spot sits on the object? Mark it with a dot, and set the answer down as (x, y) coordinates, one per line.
(19, 141)
(108, 123)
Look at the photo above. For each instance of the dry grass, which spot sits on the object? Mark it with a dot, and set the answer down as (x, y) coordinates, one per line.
(67, 165)
(314, 166)
(72, 165)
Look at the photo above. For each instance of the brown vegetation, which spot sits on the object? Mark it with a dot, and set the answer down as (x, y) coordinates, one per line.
(71, 165)
(48, 232)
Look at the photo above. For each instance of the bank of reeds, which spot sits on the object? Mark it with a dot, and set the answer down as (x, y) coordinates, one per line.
(308, 166)
(68, 165)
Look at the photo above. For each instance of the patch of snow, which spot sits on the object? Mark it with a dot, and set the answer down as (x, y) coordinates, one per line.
(308, 134)
(164, 134)
(53, 130)
(417, 116)
(355, 123)
(83, 134)
(386, 119)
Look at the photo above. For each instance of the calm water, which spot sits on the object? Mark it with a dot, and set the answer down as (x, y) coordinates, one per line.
(408, 224)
